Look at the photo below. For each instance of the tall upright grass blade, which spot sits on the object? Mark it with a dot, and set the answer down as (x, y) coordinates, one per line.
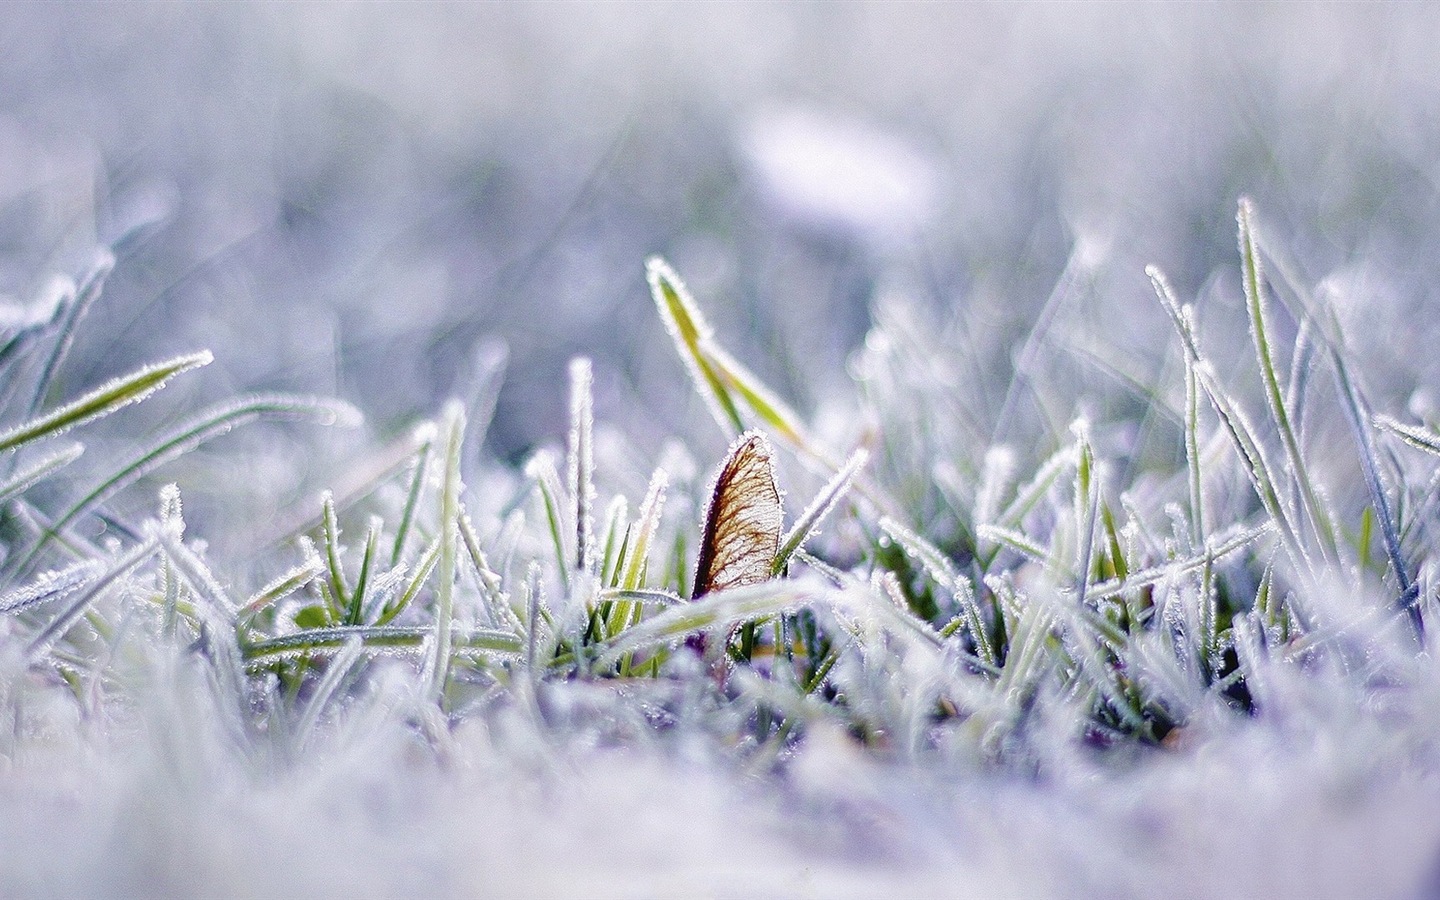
(580, 462)
(330, 536)
(454, 433)
(425, 437)
(1237, 429)
(647, 520)
(541, 469)
(1253, 281)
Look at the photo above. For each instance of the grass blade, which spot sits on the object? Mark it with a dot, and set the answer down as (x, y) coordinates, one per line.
(1253, 280)
(818, 509)
(102, 401)
(581, 462)
(454, 431)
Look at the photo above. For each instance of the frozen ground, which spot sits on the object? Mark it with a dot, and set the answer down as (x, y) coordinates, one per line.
(886, 211)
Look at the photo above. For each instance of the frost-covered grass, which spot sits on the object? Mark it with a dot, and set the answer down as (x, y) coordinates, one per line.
(357, 460)
(985, 662)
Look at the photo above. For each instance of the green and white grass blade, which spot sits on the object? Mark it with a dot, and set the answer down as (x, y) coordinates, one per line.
(767, 406)
(1253, 280)
(1222, 547)
(423, 568)
(943, 573)
(1417, 436)
(74, 310)
(720, 610)
(109, 397)
(1019, 542)
(1302, 364)
(1087, 505)
(1037, 487)
(172, 521)
(647, 521)
(691, 333)
(213, 423)
(1236, 428)
(334, 564)
(534, 607)
(354, 613)
(378, 638)
(541, 469)
(1358, 417)
(634, 561)
(897, 612)
(117, 569)
(492, 588)
(819, 508)
(580, 462)
(336, 673)
(202, 580)
(30, 476)
(613, 541)
(285, 585)
(50, 586)
(641, 595)
(454, 435)
(424, 436)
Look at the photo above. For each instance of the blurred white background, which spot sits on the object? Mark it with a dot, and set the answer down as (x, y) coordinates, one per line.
(348, 197)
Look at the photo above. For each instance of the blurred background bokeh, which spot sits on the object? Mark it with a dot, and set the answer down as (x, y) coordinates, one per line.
(375, 200)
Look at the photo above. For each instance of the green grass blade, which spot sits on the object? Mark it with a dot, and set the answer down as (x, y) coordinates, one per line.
(646, 522)
(377, 637)
(612, 545)
(423, 568)
(117, 569)
(284, 586)
(719, 610)
(354, 613)
(541, 469)
(454, 432)
(819, 508)
(689, 331)
(74, 311)
(425, 437)
(102, 401)
(330, 536)
(1253, 280)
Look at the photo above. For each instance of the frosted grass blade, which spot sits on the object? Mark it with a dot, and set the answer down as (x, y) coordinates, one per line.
(102, 401)
(454, 432)
(819, 508)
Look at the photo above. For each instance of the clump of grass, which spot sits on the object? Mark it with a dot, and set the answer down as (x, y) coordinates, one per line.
(942, 593)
